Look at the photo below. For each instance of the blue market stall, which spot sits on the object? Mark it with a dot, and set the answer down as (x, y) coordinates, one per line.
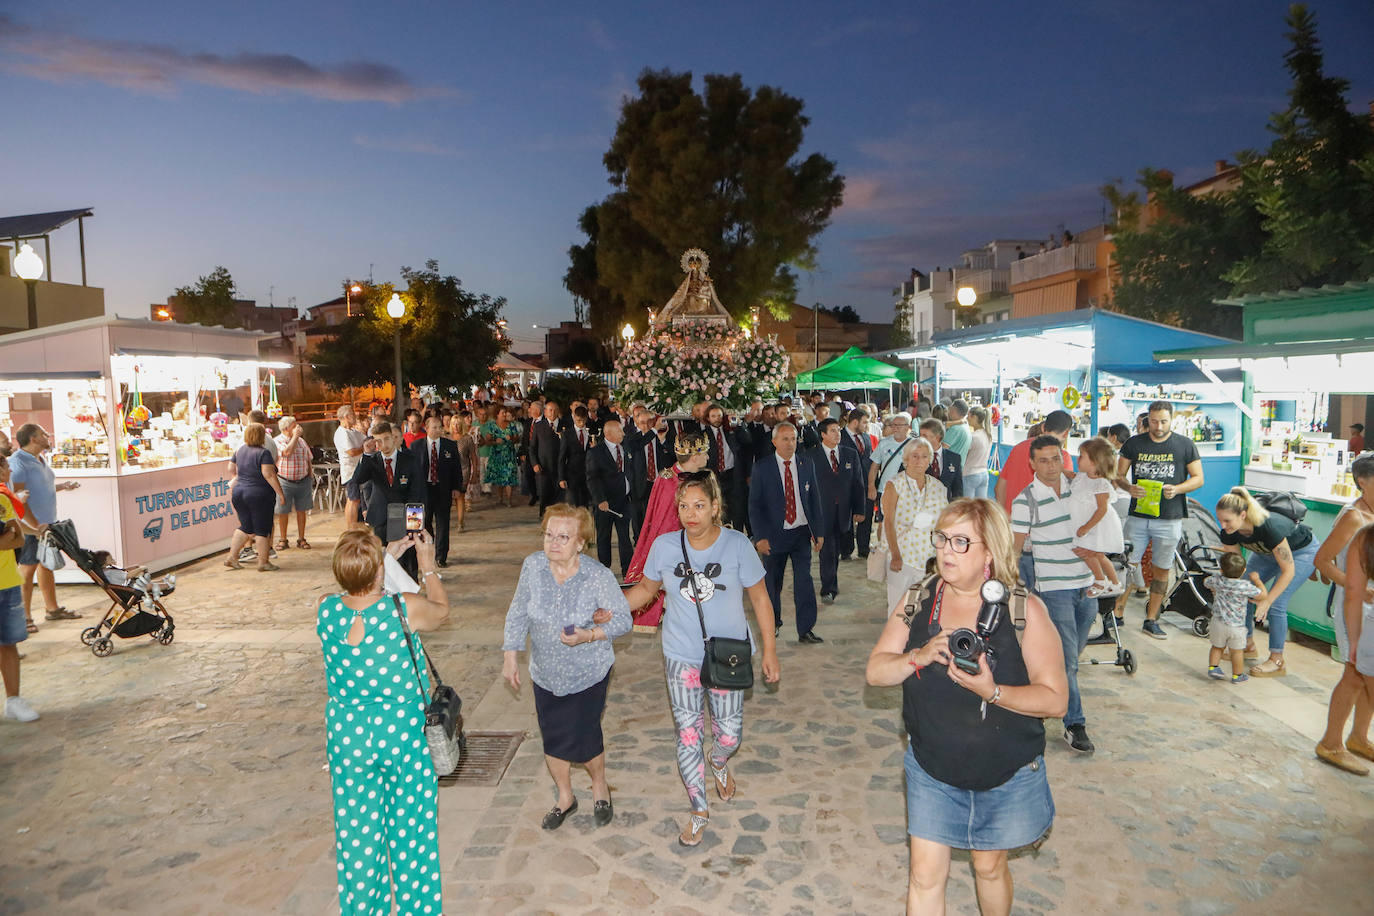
(1100, 367)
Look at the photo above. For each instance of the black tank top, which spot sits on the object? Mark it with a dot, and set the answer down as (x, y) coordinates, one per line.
(949, 738)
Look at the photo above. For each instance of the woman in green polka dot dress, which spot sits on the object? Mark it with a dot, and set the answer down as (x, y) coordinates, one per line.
(385, 791)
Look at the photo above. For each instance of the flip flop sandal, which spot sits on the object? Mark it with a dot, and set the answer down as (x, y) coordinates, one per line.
(725, 783)
(1269, 668)
(1342, 759)
(695, 831)
(302, 543)
(1360, 748)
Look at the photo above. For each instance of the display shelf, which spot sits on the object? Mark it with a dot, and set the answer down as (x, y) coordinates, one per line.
(1177, 403)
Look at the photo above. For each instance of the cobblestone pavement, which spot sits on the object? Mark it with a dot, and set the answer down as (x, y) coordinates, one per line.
(187, 778)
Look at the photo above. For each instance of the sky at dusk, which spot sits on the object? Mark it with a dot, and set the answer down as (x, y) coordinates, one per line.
(299, 144)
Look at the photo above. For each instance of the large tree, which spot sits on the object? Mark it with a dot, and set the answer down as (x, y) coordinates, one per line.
(719, 170)
(1303, 214)
(210, 301)
(449, 335)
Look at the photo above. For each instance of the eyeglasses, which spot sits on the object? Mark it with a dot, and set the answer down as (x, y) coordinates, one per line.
(957, 543)
(562, 539)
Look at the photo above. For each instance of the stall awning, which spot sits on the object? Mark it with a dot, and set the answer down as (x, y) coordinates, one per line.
(851, 369)
(507, 362)
(1267, 350)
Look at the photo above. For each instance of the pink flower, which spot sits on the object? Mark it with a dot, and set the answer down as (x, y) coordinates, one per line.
(691, 677)
(727, 740)
(689, 736)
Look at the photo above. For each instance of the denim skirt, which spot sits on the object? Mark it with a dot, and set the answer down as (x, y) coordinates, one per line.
(1016, 813)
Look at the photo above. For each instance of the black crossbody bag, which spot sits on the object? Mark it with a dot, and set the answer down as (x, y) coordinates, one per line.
(444, 713)
(728, 664)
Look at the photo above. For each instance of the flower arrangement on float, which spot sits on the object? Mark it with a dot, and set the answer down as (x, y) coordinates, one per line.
(672, 368)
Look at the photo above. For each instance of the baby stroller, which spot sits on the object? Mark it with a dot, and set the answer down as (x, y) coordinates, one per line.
(128, 589)
(1196, 558)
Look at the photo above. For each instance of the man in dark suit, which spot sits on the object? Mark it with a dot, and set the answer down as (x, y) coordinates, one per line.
(608, 479)
(784, 502)
(855, 435)
(838, 472)
(534, 413)
(572, 459)
(726, 456)
(947, 466)
(394, 476)
(597, 415)
(650, 446)
(442, 472)
(545, 446)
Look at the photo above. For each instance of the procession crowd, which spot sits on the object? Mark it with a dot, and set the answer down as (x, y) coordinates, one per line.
(991, 593)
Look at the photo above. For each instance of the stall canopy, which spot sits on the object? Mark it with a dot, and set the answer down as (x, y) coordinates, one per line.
(851, 369)
(507, 362)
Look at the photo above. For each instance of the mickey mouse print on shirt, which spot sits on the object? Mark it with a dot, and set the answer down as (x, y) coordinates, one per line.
(705, 581)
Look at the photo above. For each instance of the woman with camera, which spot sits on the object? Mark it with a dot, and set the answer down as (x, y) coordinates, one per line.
(973, 696)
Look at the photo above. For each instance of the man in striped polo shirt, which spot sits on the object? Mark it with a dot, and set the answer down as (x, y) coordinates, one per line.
(1041, 512)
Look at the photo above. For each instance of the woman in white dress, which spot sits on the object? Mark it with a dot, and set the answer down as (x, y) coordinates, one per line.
(912, 503)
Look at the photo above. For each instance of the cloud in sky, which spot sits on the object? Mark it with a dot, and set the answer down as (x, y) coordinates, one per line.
(405, 144)
(864, 27)
(162, 69)
(599, 37)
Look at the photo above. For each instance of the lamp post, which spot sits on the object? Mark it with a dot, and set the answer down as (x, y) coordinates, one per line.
(396, 310)
(348, 298)
(29, 266)
(967, 297)
(627, 334)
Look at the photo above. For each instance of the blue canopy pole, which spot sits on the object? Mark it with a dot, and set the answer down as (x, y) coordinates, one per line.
(997, 400)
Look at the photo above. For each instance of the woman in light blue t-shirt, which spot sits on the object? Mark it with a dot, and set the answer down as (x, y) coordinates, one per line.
(725, 566)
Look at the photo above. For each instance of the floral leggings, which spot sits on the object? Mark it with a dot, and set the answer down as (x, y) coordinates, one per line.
(687, 698)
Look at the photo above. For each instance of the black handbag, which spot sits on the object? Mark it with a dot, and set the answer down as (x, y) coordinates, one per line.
(727, 664)
(443, 714)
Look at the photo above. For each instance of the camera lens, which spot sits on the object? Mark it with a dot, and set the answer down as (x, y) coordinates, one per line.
(961, 642)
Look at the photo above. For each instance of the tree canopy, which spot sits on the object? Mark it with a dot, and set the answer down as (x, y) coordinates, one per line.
(449, 335)
(719, 170)
(1302, 215)
(210, 301)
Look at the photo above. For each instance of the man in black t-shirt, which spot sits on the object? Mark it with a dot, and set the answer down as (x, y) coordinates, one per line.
(1164, 456)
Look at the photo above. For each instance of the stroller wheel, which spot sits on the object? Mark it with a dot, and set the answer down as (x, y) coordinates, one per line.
(1128, 661)
(102, 647)
(90, 635)
(1202, 626)
(166, 635)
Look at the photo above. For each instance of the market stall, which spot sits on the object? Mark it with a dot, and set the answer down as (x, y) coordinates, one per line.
(1308, 363)
(144, 415)
(1099, 367)
(853, 370)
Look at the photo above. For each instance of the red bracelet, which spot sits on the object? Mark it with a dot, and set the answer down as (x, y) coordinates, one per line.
(911, 660)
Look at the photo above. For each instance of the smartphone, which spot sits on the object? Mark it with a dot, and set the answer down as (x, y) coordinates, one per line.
(415, 516)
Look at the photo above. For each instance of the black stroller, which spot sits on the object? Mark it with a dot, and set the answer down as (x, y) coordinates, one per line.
(129, 590)
(1196, 558)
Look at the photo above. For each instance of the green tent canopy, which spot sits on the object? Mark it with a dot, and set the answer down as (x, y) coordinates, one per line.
(851, 369)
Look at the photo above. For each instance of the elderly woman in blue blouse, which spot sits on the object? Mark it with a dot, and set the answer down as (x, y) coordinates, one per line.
(569, 607)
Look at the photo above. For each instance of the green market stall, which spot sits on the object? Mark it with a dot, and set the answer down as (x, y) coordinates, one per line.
(852, 369)
(1307, 357)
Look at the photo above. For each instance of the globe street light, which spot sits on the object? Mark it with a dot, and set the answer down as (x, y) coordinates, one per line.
(966, 296)
(628, 333)
(396, 309)
(29, 266)
(348, 298)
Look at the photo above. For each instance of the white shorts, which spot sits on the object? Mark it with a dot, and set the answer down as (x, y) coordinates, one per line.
(1225, 635)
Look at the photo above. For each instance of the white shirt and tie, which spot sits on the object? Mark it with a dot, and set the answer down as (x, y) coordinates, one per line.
(433, 446)
(718, 434)
(618, 456)
(788, 469)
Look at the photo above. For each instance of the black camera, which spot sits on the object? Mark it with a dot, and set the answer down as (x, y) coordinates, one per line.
(965, 644)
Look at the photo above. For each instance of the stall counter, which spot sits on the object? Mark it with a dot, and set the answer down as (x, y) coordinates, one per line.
(159, 518)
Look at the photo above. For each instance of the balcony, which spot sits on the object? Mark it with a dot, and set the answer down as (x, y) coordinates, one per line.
(1056, 261)
(985, 282)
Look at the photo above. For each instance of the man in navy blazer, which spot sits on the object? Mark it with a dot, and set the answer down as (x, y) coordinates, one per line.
(783, 528)
(609, 469)
(440, 482)
(947, 467)
(839, 473)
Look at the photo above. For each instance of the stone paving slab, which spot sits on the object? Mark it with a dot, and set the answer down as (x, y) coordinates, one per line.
(187, 778)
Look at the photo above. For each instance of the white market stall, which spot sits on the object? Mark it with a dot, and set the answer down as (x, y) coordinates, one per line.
(154, 482)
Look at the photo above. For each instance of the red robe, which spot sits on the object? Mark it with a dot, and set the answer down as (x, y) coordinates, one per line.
(660, 518)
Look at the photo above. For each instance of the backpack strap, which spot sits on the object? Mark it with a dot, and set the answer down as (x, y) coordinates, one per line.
(1019, 596)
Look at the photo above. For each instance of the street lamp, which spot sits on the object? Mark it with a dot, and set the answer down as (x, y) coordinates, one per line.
(628, 334)
(348, 298)
(29, 266)
(967, 297)
(396, 310)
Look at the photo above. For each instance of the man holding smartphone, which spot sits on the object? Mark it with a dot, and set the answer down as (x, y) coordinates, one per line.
(395, 477)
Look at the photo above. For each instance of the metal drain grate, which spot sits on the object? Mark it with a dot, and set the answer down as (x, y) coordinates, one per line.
(485, 759)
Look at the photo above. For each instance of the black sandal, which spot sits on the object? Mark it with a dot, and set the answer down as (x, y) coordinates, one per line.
(555, 818)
